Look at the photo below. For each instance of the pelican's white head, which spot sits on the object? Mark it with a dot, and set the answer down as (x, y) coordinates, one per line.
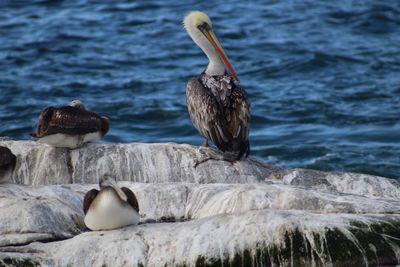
(108, 180)
(199, 27)
(77, 103)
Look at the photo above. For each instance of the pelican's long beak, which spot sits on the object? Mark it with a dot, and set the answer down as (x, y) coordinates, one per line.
(212, 38)
(111, 182)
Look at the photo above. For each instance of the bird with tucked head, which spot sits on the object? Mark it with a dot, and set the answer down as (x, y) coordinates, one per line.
(7, 164)
(110, 207)
(70, 126)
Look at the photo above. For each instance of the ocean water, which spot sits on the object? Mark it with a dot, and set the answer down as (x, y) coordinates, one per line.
(323, 76)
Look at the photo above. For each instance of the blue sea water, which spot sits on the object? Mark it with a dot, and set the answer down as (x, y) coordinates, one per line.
(323, 76)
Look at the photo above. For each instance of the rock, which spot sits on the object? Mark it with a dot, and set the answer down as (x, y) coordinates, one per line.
(208, 224)
(262, 237)
(46, 213)
(218, 214)
(345, 182)
(149, 163)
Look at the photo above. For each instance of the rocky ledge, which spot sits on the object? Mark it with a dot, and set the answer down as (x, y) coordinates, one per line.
(219, 213)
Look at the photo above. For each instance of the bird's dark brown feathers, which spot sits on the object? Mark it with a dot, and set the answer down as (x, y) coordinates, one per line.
(220, 111)
(68, 120)
(131, 198)
(7, 158)
(89, 197)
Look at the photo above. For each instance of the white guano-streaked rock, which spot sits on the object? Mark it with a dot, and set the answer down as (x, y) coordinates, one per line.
(218, 214)
(185, 223)
(40, 164)
(46, 213)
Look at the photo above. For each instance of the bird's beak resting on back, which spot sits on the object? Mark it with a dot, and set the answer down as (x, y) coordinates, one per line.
(212, 38)
(109, 181)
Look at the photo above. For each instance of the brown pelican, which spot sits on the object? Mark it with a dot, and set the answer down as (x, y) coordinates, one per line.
(218, 106)
(111, 207)
(7, 164)
(70, 126)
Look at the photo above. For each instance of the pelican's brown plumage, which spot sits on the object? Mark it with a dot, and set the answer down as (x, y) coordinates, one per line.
(7, 164)
(218, 107)
(70, 126)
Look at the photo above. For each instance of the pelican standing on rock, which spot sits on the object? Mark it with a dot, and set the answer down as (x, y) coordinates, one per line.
(111, 207)
(7, 164)
(70, 126)
(218, 106)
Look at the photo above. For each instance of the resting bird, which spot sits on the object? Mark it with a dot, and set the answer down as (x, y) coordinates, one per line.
(111, 207)
(7, 164)
(70, 126)
(218, 107)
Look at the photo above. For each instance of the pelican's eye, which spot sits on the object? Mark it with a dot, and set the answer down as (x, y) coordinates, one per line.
(204, 27)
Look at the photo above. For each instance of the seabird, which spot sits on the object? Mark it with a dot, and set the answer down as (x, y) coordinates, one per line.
(111, 207)
(218, 107)
(70, 126)
(7, 164)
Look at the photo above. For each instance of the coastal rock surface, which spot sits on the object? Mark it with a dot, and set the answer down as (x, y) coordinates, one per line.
(219, 213)
(39, 164)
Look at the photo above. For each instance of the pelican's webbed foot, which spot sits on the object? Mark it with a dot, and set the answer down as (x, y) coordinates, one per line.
(207, 154)
(205, 143)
